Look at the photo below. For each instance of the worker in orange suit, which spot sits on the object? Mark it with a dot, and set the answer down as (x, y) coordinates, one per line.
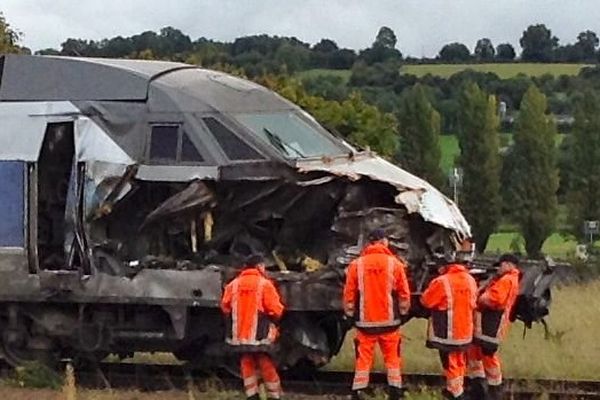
(451, 298)
(376, 295)
(492, 320)
(252, 304)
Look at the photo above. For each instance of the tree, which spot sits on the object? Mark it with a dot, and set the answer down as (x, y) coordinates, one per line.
(584, 152)
(533, 174)
(538, 44)
(419, 150)
(386, 38)
(342, 59)
(9, 38)
(325, 46)
(480, 161)
(484, 50)
(505, 52)
(569, 53)
(454, 52)
(588, 43)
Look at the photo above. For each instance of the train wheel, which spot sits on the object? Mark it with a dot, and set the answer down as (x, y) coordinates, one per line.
(18, 348)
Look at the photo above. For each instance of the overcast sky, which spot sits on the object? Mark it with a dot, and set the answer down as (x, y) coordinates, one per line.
(422, 26)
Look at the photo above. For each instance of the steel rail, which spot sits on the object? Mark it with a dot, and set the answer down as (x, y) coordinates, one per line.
(152, 377)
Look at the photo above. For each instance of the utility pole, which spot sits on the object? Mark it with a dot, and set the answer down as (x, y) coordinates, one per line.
(456, 179)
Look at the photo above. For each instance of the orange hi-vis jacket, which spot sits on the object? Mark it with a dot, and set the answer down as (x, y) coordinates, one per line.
(251, 302)
(494, 305)
(376, 289)
(451, 299)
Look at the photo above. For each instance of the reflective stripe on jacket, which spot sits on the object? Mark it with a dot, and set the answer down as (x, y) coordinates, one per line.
(451, 299)
(376, 289)
(250, 303)
(495, 303)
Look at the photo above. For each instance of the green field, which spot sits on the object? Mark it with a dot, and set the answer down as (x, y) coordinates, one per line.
(313, 73)
(450, 150)
(555, 246)
(504, 71)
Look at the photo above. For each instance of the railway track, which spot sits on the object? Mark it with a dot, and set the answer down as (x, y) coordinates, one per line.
(331, 383)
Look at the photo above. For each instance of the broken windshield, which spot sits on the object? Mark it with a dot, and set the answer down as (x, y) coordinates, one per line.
(290, 135)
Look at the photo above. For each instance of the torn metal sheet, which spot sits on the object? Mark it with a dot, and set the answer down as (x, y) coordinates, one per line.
(194, 198)
(415, 194)
(105, 184)
(171, 173)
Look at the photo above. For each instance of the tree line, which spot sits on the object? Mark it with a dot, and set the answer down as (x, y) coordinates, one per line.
(521, 182)
(259, 54)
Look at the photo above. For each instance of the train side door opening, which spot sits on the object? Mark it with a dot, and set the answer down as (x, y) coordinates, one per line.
(55, 166)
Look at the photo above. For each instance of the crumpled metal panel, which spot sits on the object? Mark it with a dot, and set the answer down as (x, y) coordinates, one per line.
(176, 173)
(196, 196)
(415, 194)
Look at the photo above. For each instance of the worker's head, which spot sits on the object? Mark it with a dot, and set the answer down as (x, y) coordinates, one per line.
(443, 258)
(255, 261)
(378, 236)
(506, 262)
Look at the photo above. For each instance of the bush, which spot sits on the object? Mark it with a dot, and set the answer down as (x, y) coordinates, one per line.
(37, 376)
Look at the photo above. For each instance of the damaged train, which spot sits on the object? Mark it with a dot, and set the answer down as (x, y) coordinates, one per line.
(132, 189)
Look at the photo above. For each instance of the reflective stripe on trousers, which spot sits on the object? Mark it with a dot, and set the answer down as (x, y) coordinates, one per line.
(251, 363)
(455, 367)
(483, 365)
(389, 343)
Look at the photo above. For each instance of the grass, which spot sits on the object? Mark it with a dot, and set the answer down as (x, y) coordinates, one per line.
(504, 71)
(450, 150)
(569, 352)
(555, 246)
(313, 73)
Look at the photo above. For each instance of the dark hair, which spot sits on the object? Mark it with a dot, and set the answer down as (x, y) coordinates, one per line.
(376, 235)
(511, 258)
(253, 260)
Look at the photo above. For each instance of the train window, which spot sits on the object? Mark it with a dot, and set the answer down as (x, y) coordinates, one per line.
(188, 150)
(234, 147)
(291, 135)
(163, 142)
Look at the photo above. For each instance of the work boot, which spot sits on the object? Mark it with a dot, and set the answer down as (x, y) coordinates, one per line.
(396, 393)
(447, 395)
(477, 389)
(495, 392)
(357, 395)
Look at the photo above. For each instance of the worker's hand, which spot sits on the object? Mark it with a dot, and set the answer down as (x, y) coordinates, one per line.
(347, 322)
(404, 307)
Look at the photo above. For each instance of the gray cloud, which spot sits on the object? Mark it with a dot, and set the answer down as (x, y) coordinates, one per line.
(422, 26)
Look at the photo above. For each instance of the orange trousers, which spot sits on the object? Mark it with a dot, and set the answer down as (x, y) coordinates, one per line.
(364, 346)
(251, 364)
(484, 365)
(455, 368)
